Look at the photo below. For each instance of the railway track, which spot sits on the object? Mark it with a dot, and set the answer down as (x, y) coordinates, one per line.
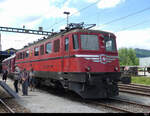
(135, 89)
(5, 107)
(123, 106)
(137, 105)
(10, 105)
(111, 105)
(140, 85)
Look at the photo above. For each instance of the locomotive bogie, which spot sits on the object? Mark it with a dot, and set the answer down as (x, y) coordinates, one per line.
(87, 85)
(97, 85)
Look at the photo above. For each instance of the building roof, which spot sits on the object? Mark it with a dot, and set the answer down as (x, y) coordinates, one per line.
(12, 56)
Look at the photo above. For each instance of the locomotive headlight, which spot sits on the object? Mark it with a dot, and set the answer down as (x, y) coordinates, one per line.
(88, 68)
(116, 68)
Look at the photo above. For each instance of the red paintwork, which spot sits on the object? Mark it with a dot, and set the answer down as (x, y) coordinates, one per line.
(71, 64)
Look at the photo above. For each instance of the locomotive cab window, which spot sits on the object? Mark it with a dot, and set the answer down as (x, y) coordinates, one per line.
(89, 42)
(75, 41)
(48, 48)
(110, 44)
(36, 51)
(67, 44)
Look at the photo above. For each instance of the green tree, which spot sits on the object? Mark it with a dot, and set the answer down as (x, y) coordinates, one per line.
(127, 56)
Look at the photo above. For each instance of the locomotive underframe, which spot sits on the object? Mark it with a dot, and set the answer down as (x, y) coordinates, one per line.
(87, 85)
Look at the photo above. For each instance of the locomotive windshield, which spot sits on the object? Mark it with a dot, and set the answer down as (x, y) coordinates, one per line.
(110, 44)
(89, 42)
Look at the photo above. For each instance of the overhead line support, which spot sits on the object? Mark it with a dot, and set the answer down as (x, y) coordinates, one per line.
(28, 31)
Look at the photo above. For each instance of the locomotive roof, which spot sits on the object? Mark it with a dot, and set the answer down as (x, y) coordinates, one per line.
(65, 33)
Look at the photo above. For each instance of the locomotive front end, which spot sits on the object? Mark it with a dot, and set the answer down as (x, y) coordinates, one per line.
(98, 63)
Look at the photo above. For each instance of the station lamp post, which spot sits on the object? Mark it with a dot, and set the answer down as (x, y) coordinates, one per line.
(67, 13)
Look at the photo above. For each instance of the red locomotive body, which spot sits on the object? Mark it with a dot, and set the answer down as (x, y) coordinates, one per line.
(9, 64)
(81, 60)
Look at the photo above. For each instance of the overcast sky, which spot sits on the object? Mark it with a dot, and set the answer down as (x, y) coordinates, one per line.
(129, 20)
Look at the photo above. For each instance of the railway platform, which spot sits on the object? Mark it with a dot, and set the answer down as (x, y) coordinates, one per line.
(8, 89)
(40, 101)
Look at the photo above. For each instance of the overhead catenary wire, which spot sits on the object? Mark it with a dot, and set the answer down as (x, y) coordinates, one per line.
(109, 22)
(131, 26)
(85, 8)
(76, 12)
(124, 17)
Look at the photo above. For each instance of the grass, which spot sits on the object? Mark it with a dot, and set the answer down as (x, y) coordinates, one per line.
(141, 80)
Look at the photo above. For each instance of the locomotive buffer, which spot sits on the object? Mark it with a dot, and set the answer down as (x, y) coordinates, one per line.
(8, 89)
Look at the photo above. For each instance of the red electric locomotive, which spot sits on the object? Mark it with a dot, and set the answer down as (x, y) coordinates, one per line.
(77, 59)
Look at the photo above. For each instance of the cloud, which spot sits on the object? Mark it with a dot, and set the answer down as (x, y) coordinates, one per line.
(103, 4)
(17, 40)
(62, 27)
(31, 13)
(25, 11)
(134, 38)
(109, 3)
(56, 12)
(91, 1)
(32, 18)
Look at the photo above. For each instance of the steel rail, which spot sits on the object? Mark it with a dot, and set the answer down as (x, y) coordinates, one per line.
(6, 106)
(134, 92)
(135, 85)
(134, 88)
(131, 102)
(113, 107)
(140, 85)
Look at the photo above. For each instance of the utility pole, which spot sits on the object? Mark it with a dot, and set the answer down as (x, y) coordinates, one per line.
(67, 13)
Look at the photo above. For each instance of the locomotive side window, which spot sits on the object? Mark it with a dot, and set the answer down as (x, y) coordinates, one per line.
(42, 50)
(27, 53)
(48, 48)
(56, 45)
(36, 51)
(67, 44)
(109, 44)
(89, 42)
(75, 41)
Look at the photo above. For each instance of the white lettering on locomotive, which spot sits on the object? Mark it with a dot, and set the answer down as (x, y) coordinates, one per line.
(103, 58)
